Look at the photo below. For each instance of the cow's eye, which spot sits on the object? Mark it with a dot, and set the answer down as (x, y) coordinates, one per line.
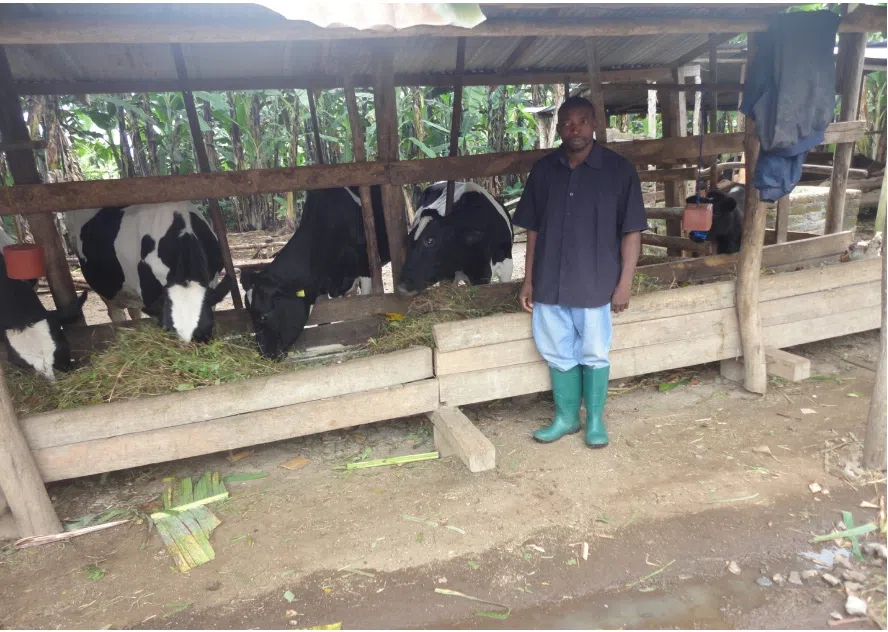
(429, 241)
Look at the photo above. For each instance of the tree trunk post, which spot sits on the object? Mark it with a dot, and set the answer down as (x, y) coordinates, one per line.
(593, 67)
(203, 163)
(388, 143)
(674, 125)
(24, 171)
(360, 154)
(874, 442)
(749, 266)
(456, 116)
(854, 45)
(782, 222)
(315, 127)
(20, 480)
(713, 104)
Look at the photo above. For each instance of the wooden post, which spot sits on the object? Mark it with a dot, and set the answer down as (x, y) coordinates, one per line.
(24, 171)
(315, 127)
(456, 116)
(652, 113)
(781, 228)
(749, 266)
(673, 125)
(854, 45)
(203, 164)
(713, 101)
(874, 442)
(388, 144)
(20, 480)
(593, 67)
(357, 130)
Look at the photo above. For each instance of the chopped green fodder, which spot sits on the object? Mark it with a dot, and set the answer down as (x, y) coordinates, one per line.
(139, 362)
(440, 304)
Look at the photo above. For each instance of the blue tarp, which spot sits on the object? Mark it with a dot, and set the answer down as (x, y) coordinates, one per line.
(790, 94)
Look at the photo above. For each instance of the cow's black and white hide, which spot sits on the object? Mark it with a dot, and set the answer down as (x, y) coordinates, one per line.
(160, 258)
(472, 243)
(32, 335)
(727, 218)
(326, 255)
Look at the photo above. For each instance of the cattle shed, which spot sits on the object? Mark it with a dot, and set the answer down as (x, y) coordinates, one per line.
(616, 49)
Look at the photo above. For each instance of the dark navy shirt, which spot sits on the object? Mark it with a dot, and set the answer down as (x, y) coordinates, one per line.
(580, 216)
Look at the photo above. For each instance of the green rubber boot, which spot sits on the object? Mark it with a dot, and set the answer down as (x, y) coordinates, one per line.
(568, 392)
(595, 393)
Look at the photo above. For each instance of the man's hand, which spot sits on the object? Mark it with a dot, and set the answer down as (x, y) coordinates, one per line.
(525, 297)
(620, 298)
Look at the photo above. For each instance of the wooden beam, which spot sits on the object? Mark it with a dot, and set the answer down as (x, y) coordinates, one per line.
(203, 164)
(65, 196)
(321, 81)
(782, 222)
(26, 32)
(594, 67)
(357, 132)
(387, 143)
(24, 172)
(315, 128)
(20, 479)
(750, 263)
(515, 56)
(714, 41)
(780, 364)
(205, 437)
(854, 45)
(456, 117)
(676, 243)
(455, 434)
(104, 421)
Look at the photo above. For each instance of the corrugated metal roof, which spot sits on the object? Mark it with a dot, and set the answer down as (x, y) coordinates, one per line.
(276, 63)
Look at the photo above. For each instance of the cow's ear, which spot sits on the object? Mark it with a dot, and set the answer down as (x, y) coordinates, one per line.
(72, 312)
(473, 237)
(219, 292)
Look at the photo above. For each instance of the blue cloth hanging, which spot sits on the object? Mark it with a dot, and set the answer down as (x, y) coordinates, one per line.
(790, 93)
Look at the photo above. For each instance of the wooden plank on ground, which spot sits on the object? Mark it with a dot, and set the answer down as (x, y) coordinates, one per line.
(206, 437)
(152, 413)
(456, 434)
(478, 332)
(780, 363)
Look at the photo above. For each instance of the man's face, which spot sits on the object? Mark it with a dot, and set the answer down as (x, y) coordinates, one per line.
(576, 127)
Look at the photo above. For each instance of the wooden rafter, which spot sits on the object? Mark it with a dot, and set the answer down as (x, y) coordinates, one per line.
(26, 32)
(517, 53)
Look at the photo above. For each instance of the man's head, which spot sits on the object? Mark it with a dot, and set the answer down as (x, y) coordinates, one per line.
(576, 123)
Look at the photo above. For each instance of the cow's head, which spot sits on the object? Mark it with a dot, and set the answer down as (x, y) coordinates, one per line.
(187, 301)
(436, 250)
(279, 311)
(42, 345)
(725, 212)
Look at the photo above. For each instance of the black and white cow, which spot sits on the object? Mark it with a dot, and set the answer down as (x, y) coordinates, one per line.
(160, 258)
(32, 335)
(326, 255)
(728, 207)
(473, 243)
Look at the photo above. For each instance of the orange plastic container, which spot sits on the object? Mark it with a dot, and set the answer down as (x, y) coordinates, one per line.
(696, 217)
(24, 261)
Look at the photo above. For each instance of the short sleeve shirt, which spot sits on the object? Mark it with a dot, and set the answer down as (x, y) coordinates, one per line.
(580, 216)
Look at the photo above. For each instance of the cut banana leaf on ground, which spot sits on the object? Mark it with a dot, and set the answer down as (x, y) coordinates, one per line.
(185, 523)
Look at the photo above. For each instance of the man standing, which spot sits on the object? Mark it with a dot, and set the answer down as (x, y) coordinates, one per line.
(584, 213)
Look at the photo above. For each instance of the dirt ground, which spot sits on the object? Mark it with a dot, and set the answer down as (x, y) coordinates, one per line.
(678, 495)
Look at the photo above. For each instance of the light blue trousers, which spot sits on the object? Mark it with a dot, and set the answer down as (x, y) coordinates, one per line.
(568, 336)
